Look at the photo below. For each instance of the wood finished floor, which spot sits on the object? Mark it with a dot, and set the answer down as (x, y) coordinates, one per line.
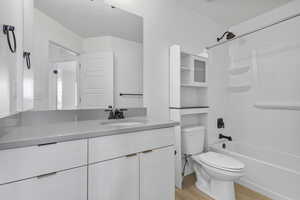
(190, 192)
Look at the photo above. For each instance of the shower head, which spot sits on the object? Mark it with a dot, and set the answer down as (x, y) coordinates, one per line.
(229, 36)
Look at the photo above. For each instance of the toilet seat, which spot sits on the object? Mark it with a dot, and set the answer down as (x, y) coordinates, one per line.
(219, 161)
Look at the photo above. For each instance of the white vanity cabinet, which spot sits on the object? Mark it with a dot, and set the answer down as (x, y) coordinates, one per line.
(134, 166)
(131, 166)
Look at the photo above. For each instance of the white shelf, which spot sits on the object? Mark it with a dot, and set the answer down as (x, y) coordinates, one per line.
(239, 70)
(278, 105)
(193, 111)
(201, 85)
(240, 88)
(183, 68)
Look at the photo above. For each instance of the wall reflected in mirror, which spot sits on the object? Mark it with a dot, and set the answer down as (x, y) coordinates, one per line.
(86, 53)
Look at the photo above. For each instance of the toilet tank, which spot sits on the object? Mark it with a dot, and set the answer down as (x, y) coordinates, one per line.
(193, 140)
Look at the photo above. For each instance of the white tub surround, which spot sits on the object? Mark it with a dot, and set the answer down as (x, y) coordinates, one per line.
(274, 174)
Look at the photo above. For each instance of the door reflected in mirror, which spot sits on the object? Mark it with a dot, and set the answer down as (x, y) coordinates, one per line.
(63, 78)
(85, 57)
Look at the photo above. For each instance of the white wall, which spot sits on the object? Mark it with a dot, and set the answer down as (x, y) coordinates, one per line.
(128, 67)
(45, 30)
(277, 57)
(165, 24)
(11, 65)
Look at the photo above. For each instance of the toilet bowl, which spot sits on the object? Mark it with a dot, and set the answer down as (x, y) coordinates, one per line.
(216, 174)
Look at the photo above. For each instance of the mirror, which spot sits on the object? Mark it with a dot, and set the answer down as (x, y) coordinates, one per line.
(86, 55)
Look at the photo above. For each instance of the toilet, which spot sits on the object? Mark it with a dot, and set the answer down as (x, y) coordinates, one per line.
(215, 172)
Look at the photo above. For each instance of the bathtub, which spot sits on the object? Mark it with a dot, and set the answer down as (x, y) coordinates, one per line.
(274, 174)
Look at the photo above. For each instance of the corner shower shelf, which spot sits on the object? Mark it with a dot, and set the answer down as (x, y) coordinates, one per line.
(239, 70)
(278, 105)
(240, 88)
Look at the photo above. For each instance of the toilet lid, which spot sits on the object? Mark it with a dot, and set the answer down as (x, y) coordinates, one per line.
(220, 161)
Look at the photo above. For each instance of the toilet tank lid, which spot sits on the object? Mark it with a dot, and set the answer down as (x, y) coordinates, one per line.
(193, 128)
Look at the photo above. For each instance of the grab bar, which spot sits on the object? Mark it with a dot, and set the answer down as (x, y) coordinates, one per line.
(6, 30)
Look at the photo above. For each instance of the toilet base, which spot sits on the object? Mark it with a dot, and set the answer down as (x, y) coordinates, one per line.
(218, 190)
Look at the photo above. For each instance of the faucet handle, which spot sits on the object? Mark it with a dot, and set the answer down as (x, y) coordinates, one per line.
(111, 112)
(120, 113)
(110, 108)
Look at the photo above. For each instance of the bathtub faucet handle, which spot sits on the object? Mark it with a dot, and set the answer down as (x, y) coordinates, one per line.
(221, 136)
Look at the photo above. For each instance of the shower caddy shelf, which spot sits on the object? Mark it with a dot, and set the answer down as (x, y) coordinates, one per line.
(239, 70)
(278, 105)
(188, 95)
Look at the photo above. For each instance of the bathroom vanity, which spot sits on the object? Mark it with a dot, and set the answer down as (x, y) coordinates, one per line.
(89, 160)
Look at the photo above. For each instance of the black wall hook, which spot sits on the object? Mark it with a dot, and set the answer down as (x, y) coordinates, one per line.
(6, 30)
(26, 56)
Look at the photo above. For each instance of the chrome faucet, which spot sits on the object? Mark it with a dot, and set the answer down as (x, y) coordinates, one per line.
(115, 113)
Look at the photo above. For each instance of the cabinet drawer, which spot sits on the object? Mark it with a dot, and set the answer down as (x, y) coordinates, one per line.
(22, 163)
(66, 185)
(109, 147)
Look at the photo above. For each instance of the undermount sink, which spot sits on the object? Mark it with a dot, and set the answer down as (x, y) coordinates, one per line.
(120, 123)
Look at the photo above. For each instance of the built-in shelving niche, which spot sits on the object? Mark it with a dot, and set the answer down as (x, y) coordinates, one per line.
(195, 119)
(188, 95)
(193, 70)
(193, 97)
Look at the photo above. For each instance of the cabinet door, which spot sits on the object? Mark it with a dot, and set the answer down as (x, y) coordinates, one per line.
(10, 14)
(115, 179)
(157, 174)
(66, 185)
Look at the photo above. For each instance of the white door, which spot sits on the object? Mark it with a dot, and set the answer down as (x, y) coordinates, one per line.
(115, 179)
(157, 174)
(97, 80)
(66, 185)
